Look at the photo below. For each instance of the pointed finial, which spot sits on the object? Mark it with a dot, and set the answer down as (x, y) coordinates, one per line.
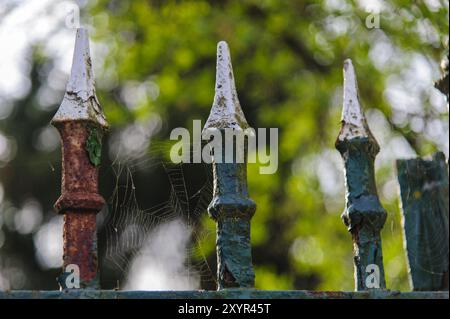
(226, 111)
(353, 120)
(80, 101)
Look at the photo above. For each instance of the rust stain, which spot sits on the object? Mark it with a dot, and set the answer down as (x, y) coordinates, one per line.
(79, 201)
(80, 243)
(79, 187)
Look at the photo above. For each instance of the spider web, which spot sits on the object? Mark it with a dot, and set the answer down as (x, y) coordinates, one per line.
(127, 227)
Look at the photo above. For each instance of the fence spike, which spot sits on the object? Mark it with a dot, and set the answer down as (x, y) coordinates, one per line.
(226, 111)
(364, 216)
(80, 101)
(81, 125)
(354, 123)
(231, 206)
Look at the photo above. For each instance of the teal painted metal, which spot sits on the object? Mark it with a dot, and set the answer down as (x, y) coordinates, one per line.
(231, 206)
(424, 195)
(232, 210)
(223, 294)
(364, 216)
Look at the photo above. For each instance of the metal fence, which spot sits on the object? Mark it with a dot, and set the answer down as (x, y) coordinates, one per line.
(423, 184)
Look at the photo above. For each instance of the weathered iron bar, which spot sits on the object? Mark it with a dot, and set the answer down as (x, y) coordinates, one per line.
(231, 206)
(424, 195)
(81, 124)
(222, 294)
(364, 216)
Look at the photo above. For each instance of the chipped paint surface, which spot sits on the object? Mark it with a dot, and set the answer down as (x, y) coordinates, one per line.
(354, 123)
(364, 216)
(226, 111)
(79, 185)
(425, 211)
(79, 202)
(80, 101)
(81, 125)
(231, 206)
(232, 210)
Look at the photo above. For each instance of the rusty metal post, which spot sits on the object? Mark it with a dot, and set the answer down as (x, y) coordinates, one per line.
(364, 216)
(231, 206)
(424, 195)
(81, 124)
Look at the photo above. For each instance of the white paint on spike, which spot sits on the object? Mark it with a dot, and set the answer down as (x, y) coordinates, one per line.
(226, 111)
(80, 101)
(353, 121)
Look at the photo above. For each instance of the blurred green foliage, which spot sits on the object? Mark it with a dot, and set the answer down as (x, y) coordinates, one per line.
(287, 58)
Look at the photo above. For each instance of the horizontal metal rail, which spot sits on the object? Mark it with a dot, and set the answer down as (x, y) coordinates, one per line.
(222, 294)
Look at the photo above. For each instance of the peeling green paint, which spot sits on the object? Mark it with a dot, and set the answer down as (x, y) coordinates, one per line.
(364, 216)
(231, 206)
(425, 210)
(232, 210)
(94, 146)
